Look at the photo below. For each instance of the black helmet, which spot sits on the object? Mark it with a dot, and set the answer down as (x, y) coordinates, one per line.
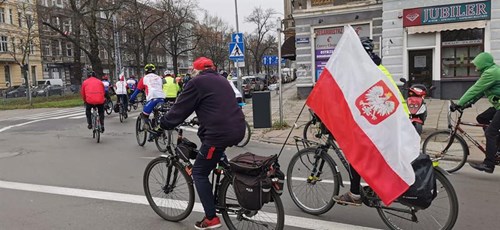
(91, 74)
(150, 68)
(367, 44)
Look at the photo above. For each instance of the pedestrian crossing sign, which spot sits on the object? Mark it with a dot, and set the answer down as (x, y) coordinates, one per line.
(236, 51)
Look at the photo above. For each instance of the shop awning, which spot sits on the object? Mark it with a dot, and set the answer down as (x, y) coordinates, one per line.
(288, 48)
(446, 27)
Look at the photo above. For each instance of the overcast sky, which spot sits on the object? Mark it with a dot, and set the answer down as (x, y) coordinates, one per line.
(225, 9)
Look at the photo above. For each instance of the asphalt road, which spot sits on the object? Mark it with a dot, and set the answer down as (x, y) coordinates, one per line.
(54, 176)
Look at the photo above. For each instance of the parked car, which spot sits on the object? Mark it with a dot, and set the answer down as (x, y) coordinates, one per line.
(47, 90)
(256, 83)
(16, 91)
(247, 87)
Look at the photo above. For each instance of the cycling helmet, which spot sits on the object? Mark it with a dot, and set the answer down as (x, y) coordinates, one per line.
(91, 74)
(167, 73)
(132, 76)
(150, 68)
(105, 77)
(367, 44)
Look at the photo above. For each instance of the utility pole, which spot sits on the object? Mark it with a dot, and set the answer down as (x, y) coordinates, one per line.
(118, 59)
(279, 72)
(238, 76)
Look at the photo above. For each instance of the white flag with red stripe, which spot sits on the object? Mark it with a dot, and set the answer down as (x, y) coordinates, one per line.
(361, 108)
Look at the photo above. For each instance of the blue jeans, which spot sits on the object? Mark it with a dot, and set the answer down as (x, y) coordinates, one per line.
(150, 105)
(205, 162)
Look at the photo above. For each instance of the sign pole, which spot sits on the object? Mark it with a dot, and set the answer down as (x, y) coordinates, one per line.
(238, 76)
(279, 73)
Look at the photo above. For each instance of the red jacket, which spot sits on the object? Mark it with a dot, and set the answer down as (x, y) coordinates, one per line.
(93, 91)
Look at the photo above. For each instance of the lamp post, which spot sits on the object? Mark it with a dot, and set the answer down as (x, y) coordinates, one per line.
(279, 72)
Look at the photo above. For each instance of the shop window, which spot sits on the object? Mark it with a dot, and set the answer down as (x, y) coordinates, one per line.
(458, 49)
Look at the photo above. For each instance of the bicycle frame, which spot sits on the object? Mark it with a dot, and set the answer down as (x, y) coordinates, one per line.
(457, 130)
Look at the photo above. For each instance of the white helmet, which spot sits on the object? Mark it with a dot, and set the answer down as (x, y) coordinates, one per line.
(167, 72)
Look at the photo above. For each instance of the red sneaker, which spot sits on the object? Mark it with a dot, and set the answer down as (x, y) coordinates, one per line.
(208, 224)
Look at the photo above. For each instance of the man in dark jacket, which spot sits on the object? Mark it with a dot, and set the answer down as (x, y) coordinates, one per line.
(222, 124)
(487, 85)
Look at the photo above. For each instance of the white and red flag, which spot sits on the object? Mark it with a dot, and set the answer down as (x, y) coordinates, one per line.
(361, 108)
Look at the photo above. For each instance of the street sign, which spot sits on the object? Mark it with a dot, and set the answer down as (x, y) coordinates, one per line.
(237, 37)
(270, 60)
(236, 51)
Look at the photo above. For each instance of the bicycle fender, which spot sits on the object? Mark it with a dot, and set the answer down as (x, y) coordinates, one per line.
(337, 174)
(441, 170)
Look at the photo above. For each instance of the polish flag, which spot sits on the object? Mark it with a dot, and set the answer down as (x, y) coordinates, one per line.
(361, 108)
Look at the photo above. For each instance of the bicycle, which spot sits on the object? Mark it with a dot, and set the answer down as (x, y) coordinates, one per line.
(162, 140)
(169, 190)
(248, 131)
(108, 106)
(313, 179)
(314, 129)
(121, 111)
(96, 125)
(449, 146)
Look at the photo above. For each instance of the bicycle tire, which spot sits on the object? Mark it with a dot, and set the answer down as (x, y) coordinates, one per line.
(167, 138)
(332, 182)
(311, 129)
(121, 115)
(175, 198)
(456, 155)
(258, 219)
(246, 138)
(98, 135)
(129, 107)
(141, 140)
(109, 109)
(433, 212)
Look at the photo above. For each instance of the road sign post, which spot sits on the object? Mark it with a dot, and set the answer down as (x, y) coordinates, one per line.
(237, 55)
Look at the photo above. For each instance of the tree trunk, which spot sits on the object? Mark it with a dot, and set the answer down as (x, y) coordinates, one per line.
(174, 59)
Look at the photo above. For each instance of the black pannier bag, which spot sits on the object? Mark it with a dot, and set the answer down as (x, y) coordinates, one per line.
(186, 149)
(116, 108)
(252, 180)
(423, 191)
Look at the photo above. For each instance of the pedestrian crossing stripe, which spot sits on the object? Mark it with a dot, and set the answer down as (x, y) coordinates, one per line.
(236, 51)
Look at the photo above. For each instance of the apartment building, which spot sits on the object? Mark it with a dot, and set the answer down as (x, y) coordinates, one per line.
(19, 36)
(318, 27)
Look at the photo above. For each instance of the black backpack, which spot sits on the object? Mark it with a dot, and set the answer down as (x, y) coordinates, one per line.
(254, 177)
(423, 191)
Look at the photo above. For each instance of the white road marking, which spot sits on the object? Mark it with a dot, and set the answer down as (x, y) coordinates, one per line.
(294, 221)
(44, 114)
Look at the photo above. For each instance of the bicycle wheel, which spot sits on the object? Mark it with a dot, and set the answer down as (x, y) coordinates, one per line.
(312, 181)
(271, 216)
(121, 112)
(442, 214)
(312, 132)
(166, 139)
(108, 107)
(169, 189)
(451, 159)
(140, 133)
(246, 138)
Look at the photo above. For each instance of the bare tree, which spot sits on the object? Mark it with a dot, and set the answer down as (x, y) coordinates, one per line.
(257, 44)
(180, 37)
(213, 43)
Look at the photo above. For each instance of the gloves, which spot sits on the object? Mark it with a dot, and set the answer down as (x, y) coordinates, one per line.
(454, 107)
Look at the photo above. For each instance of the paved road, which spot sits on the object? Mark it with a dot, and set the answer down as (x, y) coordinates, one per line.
(54, 176)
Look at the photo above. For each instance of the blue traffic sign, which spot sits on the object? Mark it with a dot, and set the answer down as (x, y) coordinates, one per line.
(236, 51)
(237, 37)
(270, 60)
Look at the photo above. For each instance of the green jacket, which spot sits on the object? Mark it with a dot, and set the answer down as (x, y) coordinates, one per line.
(488, 84)
(170, 87)
(386, 72)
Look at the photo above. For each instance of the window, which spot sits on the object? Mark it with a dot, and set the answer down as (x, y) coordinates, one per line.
(57, 45)
(47, 50)
(2, 15)
(67, 26)
(32, 48)
(29, 20)
(458, 49)
(7, 73)
(69, 49)
(4, 47)
(11, 15)
(33, 73)
(20, 19)
(13, 42)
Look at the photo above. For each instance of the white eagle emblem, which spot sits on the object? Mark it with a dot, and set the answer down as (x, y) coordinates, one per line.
(377, 103)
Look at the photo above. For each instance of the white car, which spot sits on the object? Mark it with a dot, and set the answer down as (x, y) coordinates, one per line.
(272, 87)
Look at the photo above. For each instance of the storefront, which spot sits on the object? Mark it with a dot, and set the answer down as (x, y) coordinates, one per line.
(318, 30)
(437, 43)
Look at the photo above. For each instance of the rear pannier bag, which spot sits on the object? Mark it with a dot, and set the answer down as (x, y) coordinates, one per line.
(251, 182)
(423, 191)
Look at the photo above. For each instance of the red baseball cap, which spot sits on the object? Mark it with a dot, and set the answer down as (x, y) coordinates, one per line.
(202, 63)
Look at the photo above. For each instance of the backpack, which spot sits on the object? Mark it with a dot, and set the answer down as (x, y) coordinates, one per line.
(423, 191)
(254, 177)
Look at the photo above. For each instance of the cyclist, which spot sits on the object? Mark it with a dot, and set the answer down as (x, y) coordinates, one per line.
(185, 80)
(222, 124)
(353, 197)
(132, 84)
(121, 94)
(152, 85)
(105, 81)
(237, 93)
(93, 96)
(171, 88)
(487, 85)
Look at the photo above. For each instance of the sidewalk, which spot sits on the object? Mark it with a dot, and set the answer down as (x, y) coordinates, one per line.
(436, 120)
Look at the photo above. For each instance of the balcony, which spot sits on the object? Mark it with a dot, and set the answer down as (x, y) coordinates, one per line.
(313, 5)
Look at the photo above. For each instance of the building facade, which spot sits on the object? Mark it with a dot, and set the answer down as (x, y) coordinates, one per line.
(17, 26)
(433, 42)
(318, 27)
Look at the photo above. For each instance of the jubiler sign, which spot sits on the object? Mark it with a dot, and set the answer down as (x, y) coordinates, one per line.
(447, 13)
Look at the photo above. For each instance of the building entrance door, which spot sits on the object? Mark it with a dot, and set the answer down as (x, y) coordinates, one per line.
(420, 67)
